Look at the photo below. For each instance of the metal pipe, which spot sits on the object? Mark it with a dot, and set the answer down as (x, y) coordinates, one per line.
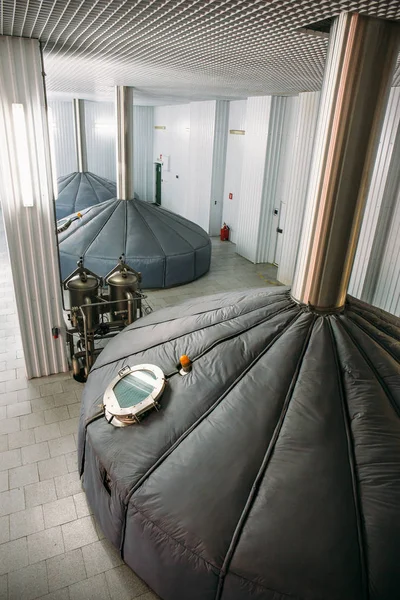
(80, 135)
(124, 117)
(361, 59)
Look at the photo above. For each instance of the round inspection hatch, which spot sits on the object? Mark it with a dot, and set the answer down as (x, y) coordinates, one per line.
(132, 393)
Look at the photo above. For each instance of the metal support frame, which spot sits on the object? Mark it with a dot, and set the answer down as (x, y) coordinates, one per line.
(361, 59)
(80, 135)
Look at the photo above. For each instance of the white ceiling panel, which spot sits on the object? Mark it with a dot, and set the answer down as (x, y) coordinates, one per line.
(181, 49)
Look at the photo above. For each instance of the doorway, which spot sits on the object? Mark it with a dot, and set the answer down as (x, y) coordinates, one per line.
(158, 183)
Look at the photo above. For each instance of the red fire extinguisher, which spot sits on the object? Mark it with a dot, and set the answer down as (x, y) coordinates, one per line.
(225, 233)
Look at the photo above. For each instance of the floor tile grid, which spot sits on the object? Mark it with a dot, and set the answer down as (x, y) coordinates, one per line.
(50, 545)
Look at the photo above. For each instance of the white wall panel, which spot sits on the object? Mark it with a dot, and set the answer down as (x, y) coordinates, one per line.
(218, 166)
(277, 166)
(252, 185)
(30, 230)
(269, 124)
(100, 138)
(380, 205)
(296, 182)
(173, 142)
(143, 160)
(234, 162)
(61, 123)
(202, 128)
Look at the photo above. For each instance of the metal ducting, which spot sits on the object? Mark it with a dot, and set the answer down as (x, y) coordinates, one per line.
(271, 470)
(166, 248)
(77, 191)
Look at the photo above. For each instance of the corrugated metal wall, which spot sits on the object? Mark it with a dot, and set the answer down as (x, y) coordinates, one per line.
(267, 152)
(61, 123)
(233, 170)
(297, 180)
(218, 166)
(278, 158)
(30, 230)
(143, 159)
(272, 157)
(379, 209)
(100, 138)
(387, 290)
(100, 141)
(202, 127)
(251, 191)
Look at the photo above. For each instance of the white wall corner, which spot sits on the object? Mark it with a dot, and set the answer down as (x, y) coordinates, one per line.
(234, 164)
(218, 166)
(297, 182)
(201, 149)
(267, 148)
(255, 148)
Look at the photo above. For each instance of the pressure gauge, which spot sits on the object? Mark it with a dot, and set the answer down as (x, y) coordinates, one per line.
(135, 391)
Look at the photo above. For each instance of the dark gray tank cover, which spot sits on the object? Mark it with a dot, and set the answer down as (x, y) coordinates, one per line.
(272, 471)
(167, 249)
(78, 191)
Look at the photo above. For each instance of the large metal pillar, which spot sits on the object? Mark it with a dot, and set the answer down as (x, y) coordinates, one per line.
(124, 113)
(26, 192)
(361, 59)
(80, 135)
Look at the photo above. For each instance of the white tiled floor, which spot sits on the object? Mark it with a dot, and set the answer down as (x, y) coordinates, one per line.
(50, 545)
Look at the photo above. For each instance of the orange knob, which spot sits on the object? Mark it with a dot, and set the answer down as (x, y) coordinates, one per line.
(185, 361)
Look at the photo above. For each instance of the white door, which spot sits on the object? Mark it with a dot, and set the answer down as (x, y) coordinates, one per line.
(279, 230)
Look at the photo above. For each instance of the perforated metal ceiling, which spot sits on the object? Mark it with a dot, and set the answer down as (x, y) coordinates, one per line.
(192, 49)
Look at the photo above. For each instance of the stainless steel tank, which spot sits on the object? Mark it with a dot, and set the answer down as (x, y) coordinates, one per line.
(83, 289)
(123, 285)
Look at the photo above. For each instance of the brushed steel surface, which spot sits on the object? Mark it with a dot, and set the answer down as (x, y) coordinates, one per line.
(80, 135)
(124, 115)
(360, 64)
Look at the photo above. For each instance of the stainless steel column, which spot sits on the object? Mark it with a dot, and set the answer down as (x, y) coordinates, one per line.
(80, 135)
(361, 58)
(124, 110)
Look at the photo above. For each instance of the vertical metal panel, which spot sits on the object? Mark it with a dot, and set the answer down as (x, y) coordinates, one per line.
(297, 182)
(380, 205)
(360, 63)
(30, 230)
(387, 290)
(202, 128)
(61, 124)
(219, 163)
(277, 157)
(80, 134)
(124, 150)
(251, 192)
(143, 159)
(234, 162)
(100, 138)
